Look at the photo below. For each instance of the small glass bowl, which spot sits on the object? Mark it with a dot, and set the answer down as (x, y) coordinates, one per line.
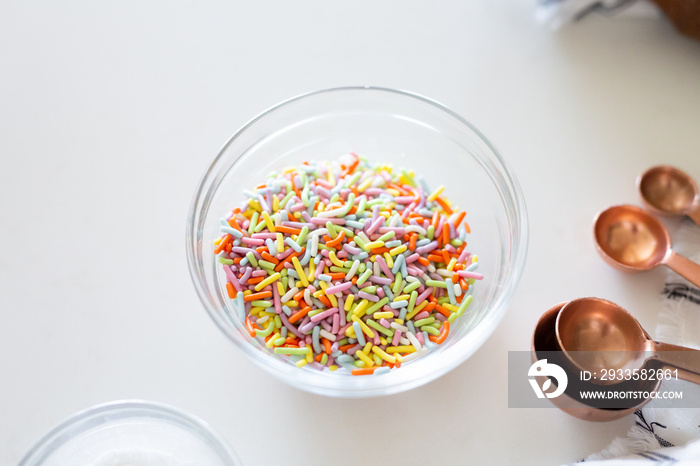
(131, 432)
(389, 127)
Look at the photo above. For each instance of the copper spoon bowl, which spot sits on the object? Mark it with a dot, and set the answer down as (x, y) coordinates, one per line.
(669, 191)
(631, 240)
(545, 345)
(597, 336)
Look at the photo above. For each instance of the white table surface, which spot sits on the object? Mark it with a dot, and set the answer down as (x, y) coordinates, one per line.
(109, 113)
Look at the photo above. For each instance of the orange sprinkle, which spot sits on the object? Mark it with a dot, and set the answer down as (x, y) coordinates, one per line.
(446, 256)
(432, 258)
(442, 310)
(299, 314)
(237, 260)
(436, 216)
(231, 290)
(291, 341)
(226, 239)
(412, 242)
(288, 230)
(318, 357)
(336, 275)
(327, 345)
(455, 278)
(430, 307)
(255, 280)
(345, 348)
(337, 240)
(266, 255)
(466, 226)
(444, 205)
(234, 224)
(444, 331)
(325, 301)
(381, 250)
(250, 326)
(423, 261)
(460, 217)
(363, 371)
(299, 296)
(256, 296)
(446, 234)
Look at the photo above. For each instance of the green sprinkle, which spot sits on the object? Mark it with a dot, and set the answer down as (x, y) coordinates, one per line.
(426, 321)
(297, 351)
(397, 283)
(361, 207)
(464, 305)
(412, 300)
(436, 284)
(261, 303)
(252, 259)
(266, 332)
(343, 342)
(363, 278)
(387, 236)
(253, 222)
(359, 364)
(370, 289)
(376, 306)
(431, 232)
(265, 264)
(302, 236)
(411, 287)
(278, 322)
(452, 317)
(225, 261)
(324, 359)
(379, 328)
(430, 330)
(331, 229)
(279, 342)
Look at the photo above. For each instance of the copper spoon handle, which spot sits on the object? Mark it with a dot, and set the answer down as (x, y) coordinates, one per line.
(686, 360)
(694, 213)
(683, 267)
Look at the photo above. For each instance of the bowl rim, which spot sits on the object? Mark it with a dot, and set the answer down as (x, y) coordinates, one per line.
(517, 248)
(52, 440)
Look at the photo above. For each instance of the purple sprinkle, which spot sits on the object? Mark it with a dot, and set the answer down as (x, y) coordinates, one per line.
(424, 295)
(368, 296)
(427, 248)
(380, 280)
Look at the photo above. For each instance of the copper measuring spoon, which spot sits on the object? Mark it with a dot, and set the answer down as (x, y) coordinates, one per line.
(597, 336)
(545, 345)
(631, 240)
(669, 191)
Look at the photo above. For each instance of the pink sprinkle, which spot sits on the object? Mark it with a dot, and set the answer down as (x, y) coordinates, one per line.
(397, 337)
(465, 274)
(422, 315)
(384, 323)
(232, 278)
(320, 316)
(338, 288)
(253, 241)
(336, 323)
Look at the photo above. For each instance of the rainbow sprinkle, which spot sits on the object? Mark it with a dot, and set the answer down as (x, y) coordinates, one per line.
(347, 265)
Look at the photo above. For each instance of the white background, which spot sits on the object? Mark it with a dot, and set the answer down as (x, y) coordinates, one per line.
(109, 114)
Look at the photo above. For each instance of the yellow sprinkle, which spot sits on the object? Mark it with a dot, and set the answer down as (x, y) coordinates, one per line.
(379, 352)
(268, 221)
(402, 297)
(399, 250)
(247, 292)
(364, 185)
(363, 357)
(331, 175)
(360, 309)
(280, 288)
(300, 271)
(398, 357)
(217, 241)
(348, 302)
(398, 321)
(383, 315)
(280, 243)
(312, 271)
(331, 297)
(309, 356)
(301, 363)
(275, 203)
(389, 260)
(365, 329)
(436, 193)
(416, 310)
(268, 280)
(450, 307)
(335, 260)
(333, 368)
(255, 310)
(400, 349)
(255, 205)
(367, 348)
(382, 340)
(271, 341)
(475, 259)
(373, 245)
(350, 332)
(452, 264)
(393, 192)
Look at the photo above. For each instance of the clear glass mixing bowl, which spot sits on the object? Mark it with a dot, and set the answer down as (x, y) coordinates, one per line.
(131, 432)
(389, 127)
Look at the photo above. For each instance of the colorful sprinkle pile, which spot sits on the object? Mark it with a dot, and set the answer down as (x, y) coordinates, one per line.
(347, 265)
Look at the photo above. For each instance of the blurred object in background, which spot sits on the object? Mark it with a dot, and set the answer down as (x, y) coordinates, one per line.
(685, 14)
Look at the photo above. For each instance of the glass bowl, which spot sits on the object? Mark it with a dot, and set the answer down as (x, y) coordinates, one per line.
(131, 432)
(389, 127)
